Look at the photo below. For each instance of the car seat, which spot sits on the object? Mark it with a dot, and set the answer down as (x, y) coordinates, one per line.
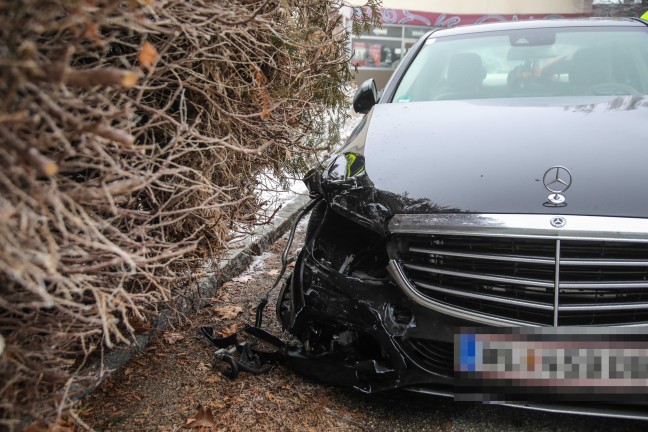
(464, 77)
(589, 67)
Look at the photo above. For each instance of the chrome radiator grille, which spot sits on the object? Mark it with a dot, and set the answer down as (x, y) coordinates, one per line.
(541, 279)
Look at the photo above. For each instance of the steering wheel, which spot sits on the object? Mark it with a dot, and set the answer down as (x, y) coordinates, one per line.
(613, 88)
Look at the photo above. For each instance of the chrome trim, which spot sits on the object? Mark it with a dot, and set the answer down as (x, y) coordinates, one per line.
(431, 392)
(532, 282)
(534, 260)
(482, 276)
(603, 263)
(558, 179)
(556, 285)
(609, 411)
(399, 278)
(535, 226)
(642, 324)
(603, 285)
(493, 257)
(591, 411)
(602, 307)
(489, 297)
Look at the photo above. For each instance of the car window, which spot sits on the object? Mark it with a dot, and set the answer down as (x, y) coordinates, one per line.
(527, 63)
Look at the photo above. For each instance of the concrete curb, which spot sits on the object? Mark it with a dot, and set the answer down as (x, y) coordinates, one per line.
(234, 263)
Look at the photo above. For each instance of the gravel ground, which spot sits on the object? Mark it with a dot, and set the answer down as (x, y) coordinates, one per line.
(165, 386)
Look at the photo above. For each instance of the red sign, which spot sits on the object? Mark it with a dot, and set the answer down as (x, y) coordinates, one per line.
(434, 19)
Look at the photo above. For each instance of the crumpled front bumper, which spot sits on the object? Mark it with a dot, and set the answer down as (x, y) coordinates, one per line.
(364, 333)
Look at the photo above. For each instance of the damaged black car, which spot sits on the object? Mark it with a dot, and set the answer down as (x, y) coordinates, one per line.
(484, 230)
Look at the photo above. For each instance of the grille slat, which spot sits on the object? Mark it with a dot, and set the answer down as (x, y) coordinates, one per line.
(509, 258)
(600, 263)
(488, 297)
(603, 285)
(482, 276)
(601, 282)
(602, 307)
(434, 356)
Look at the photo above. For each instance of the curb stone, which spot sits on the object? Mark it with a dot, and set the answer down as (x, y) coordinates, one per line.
(236, 260)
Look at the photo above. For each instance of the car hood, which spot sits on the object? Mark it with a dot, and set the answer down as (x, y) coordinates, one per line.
(490, 156)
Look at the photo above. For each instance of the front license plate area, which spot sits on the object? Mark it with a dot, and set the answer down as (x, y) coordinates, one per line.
(552, 363)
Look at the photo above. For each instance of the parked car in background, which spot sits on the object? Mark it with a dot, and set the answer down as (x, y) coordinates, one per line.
(483, 233)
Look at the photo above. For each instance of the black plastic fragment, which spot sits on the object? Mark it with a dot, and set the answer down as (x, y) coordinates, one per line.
(218, 342)
(265, 337)
(249, 359)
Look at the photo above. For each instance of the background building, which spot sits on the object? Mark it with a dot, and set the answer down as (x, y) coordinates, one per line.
(377, 53)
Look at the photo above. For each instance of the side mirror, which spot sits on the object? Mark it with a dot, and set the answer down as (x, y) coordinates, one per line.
(366, 96)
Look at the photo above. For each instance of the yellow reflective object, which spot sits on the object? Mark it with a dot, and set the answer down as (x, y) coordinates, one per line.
(355, 164)
(645, 16)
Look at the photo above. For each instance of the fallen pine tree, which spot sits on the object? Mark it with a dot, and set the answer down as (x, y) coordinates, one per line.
(132, 135)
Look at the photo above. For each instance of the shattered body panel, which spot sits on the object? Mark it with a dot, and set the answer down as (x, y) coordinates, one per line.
(353, 325)
(357, 327)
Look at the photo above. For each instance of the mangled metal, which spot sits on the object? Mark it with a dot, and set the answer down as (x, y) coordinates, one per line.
(340, 303)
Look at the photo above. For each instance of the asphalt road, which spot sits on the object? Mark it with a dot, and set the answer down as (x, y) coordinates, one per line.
(405, 411)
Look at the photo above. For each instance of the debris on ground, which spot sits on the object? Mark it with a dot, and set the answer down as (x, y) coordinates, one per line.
(176, 383)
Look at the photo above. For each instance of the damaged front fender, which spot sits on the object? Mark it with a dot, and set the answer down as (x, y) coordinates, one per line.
(342, 306)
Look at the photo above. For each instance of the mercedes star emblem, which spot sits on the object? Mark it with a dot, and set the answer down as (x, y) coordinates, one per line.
(557, 180)
(558, 221)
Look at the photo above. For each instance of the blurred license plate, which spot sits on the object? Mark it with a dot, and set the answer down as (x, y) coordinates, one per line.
(576, 360)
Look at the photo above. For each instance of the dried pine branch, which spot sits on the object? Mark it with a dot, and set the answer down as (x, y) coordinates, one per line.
(132, 135)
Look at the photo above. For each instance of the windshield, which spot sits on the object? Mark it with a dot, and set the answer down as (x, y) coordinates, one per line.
(575, 61)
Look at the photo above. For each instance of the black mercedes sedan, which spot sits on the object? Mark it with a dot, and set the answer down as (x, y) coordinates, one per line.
(483, 233)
